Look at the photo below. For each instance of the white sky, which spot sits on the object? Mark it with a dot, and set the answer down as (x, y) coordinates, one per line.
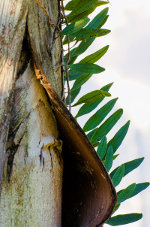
(127, 65)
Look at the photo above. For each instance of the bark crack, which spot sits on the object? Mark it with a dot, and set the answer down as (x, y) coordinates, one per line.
(25, 55)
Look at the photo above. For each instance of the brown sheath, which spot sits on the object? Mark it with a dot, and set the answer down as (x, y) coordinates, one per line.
(89, 196)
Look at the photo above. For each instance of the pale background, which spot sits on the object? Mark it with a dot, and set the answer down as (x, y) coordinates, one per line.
(127, 65)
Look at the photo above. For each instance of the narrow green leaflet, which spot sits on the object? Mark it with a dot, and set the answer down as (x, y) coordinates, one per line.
(82, 12)
(98, 21)
(116, 141)
(74, 53)
(116, 207)
(91, 97)
(71, 5)
(124, 219)
(99, 116)
(107, 126)
(109, 158)
(129, 166)
(73, 75)
(86, 68)
(88, 107)
(139, 187)
(90, 134)
(72, 18)
(99, 3)
(81, 80)
(125, 193)
(74, 94)
(92, 58)
(90, 33)
(75, 27)
(119, 174)
(102, 147)
(115, 156)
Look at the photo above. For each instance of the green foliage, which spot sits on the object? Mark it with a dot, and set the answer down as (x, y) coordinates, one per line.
(108, 158)
(129, 166)
(116, 141)
(106, 126)
(119, 174)
(92, 97)
(99, 116)
(88, 107)
(82, 32)
(124, 219)
(126, 193)
(75, 27)
(92, 58)
(131, 191)
(86, 68)
(102, 147)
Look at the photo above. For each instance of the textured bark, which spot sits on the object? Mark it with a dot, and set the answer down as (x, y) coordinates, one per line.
(30, 149)
(12, 27)
(30, 145)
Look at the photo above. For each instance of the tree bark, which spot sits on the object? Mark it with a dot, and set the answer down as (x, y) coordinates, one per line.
(31, 165)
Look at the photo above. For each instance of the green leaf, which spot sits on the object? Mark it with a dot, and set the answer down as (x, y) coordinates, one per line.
(90, 33)
(90, 134)
(98, 21)
(99, 3)
(74, 94)
(116, 141)
(125, 193)
(75, 27)
(99, 116)
(88, 107)
(102, 147)
(119, 174)
(115, 156)
(109, 158)
(81, 80)
(91, 97)
(116, 207)
(139, 187)
(72, 5)
(124, 219)
(129, 166)
(92, 58)
(86, 7)
(107, 126)
(73, 75)
(74, 53)
(86, 68)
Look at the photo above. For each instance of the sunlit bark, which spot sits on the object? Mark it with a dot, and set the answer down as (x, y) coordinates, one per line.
(30, 149)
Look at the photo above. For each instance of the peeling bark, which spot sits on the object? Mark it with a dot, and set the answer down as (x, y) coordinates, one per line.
(31, 187)
(12, 27)
(30, 150)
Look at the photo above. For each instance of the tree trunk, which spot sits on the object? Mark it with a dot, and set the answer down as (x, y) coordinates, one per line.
(30, 150)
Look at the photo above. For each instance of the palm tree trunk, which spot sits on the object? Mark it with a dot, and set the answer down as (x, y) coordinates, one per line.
(30, 150)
